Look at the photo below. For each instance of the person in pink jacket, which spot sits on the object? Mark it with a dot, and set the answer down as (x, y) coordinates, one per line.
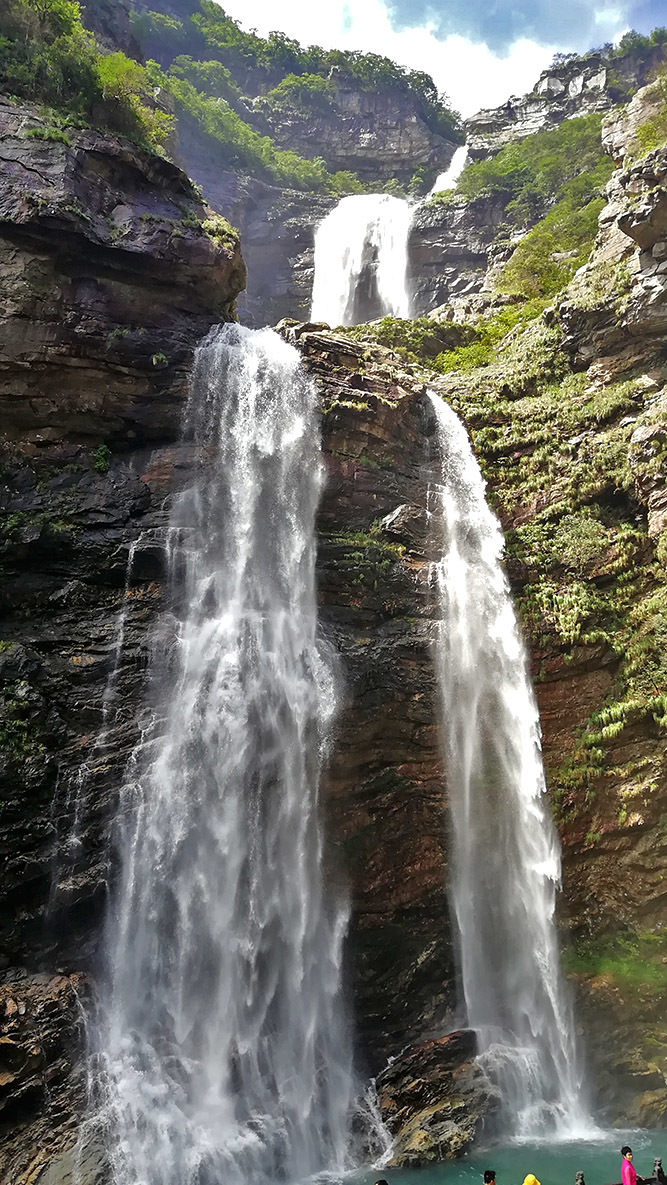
(628, 1172)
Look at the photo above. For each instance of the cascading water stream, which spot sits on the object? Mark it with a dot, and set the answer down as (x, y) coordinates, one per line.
(223, 1041)
(361, 256)
(505, 852)
(448, 179)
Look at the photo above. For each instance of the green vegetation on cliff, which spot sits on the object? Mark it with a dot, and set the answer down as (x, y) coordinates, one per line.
(48, 56)
(528, 174)
(272, 64)
(628, 961)
(445, 345)
(236, 145)
(652, 133)
(552, 182)
(555, 448)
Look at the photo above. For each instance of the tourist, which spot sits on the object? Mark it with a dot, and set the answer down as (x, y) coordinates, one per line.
(628, 1171)
(530, 1180)
(489, 1177)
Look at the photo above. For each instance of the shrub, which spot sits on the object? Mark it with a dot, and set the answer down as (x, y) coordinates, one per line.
(49, 133)
(127, 90)
(211, 78)
(102, 458)
(308, 91)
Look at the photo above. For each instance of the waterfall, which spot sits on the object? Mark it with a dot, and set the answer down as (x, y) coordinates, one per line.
(361, 256)
(223, 1045)
(457, 164)
(505, 851)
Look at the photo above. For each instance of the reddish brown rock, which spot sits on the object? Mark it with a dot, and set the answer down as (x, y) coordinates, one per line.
(435, 1100)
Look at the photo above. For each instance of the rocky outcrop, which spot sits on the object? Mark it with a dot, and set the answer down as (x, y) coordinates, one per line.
(384, 787)
(378, 134)
(109, 20)
(436, 1101)
(578, 86)
(277, 229)
(41, 1070)
(111, 265)
(619, 128)
(452, 243)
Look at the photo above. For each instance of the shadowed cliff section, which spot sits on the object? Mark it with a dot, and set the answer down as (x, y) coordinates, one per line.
(112, 270)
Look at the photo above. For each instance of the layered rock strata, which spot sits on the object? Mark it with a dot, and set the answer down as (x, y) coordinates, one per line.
(378, 134)
(596, 81)
(435, 1100)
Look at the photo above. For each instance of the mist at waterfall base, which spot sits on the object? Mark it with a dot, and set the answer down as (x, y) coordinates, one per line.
(223, 1042)
(361, 256)
(504, 848)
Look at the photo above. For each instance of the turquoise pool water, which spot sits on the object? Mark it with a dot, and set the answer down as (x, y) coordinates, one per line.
(552, 1164)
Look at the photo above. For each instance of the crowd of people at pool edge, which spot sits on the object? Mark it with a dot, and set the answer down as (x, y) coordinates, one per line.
(629, 1174)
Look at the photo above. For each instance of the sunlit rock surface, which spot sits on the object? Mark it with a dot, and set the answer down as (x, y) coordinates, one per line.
(579, 85)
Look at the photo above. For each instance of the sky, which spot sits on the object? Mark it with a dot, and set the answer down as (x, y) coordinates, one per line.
(479, 52)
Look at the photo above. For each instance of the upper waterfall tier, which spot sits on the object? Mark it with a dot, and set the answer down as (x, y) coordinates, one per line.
(448, 179)
(505, 850)
(361, 253)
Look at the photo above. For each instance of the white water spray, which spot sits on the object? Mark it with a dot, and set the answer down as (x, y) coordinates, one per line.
(361, 256)
(457, 164)
(225, 1052)
(506, 858)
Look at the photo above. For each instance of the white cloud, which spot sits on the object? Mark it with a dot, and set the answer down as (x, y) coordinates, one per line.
(472, 76)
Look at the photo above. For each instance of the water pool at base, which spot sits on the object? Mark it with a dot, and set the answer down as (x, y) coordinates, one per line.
(552, 1164)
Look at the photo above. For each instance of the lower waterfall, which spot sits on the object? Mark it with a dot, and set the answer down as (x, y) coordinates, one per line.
(223, 1041)
(361, 258)
(505, 854)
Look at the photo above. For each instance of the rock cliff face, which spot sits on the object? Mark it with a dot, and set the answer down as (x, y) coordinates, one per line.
(597, 81)
(450, 250)
(278, 226)
(112, 273)
(277, 229)
(112, 270)
(456, 245)
(110, 264)
(377, 134)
